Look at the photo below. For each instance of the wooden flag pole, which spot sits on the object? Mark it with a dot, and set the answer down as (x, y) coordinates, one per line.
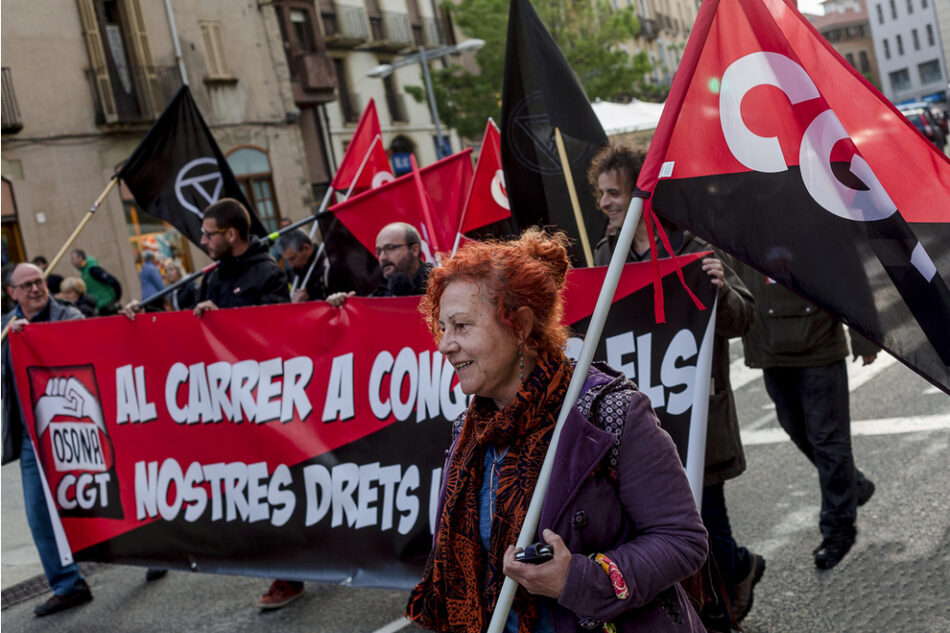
(72, 238)
(591, 340)
(575, 205)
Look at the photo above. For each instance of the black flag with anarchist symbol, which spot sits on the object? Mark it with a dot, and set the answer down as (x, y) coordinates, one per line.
(177, 170)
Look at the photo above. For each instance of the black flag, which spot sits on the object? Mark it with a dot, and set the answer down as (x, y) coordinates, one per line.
(177, 170)
(540, 93)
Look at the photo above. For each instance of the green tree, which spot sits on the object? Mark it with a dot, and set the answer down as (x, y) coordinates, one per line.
(589, 32)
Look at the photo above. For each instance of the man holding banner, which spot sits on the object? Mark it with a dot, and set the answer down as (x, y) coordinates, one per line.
(27, 287)
(399, 250)
(247, 275)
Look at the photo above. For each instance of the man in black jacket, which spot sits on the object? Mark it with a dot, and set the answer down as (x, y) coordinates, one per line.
(34, 305)
(247, 274)
(317, 276)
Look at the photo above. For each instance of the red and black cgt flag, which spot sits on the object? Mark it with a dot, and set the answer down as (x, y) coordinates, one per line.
(775, 149)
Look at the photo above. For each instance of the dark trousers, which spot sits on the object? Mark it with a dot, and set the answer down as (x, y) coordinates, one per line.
(812, 405)
(734, 562)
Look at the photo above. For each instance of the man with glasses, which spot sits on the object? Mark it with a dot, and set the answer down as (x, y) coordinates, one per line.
(247, 274)
(399, 251)
(27, 288)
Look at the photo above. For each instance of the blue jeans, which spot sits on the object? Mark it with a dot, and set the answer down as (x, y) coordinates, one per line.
(61, 579)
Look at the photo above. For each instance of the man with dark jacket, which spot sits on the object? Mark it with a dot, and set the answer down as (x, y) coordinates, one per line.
(613, 173)
(399, 251)
(246, 275)
(801, 350)
(34, 305)
(308, 264)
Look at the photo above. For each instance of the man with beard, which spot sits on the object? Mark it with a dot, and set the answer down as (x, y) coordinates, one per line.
(399, 251)
(247, 274)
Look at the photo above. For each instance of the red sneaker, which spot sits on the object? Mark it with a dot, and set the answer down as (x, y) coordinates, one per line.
(280, 594)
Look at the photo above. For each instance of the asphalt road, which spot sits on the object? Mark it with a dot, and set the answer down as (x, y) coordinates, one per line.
(895, 578)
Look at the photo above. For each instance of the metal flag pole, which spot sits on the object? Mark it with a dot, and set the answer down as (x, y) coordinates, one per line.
(575, 205)
(530, 526)
(313, 231)
(271, 237)
(72, 238)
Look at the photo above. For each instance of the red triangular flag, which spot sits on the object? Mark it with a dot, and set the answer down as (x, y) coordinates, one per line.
(365, 164)
(444, 184)
(488, 199)
(775, 149)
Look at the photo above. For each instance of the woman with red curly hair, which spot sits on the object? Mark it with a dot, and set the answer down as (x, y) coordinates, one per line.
(618, 513)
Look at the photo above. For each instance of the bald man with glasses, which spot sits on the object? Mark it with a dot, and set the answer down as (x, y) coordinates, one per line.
(399, 251)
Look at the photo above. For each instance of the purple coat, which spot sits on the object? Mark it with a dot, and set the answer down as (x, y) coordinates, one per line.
(646, 521)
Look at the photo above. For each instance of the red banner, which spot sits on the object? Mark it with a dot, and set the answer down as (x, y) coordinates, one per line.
(297, 441)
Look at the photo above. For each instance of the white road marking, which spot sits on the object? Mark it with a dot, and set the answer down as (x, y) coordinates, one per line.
(882, 426)
(394, 626)
(859, 374)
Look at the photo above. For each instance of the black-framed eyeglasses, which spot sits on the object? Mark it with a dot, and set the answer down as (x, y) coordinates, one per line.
(209, 234)
(26, 285)
(388, 248)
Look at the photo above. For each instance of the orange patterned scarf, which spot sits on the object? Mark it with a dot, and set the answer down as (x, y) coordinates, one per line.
(462, 581)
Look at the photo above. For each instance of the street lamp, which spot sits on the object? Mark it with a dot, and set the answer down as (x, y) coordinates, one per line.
(423, 57)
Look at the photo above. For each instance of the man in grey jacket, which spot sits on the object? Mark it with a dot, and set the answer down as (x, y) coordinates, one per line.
(802, 350)
(27, 288)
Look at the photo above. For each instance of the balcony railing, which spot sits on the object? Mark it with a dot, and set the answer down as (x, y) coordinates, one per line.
(390, 31)
(152, 88)
(648, 29)
(346, 26)
(11, 110)
(434, 36)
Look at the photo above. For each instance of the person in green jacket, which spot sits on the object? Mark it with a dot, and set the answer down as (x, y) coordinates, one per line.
(100, 284)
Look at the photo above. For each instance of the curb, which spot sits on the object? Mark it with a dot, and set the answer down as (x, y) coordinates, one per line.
(37, 585)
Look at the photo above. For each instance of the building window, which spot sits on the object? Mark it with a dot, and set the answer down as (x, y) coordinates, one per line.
(349, 102)
(900, 45)
(929, 71)
(893, 9)
(395, 101)
(214, 51)
(148, 233)
(13, 251)
(850, 58)
(301, 30)
(900, 80)
(864, 62)
(887, 49)
(930, 35)
(880, 14)
(913, 34)
(910, 6)
(126, 83)
(251, 167)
